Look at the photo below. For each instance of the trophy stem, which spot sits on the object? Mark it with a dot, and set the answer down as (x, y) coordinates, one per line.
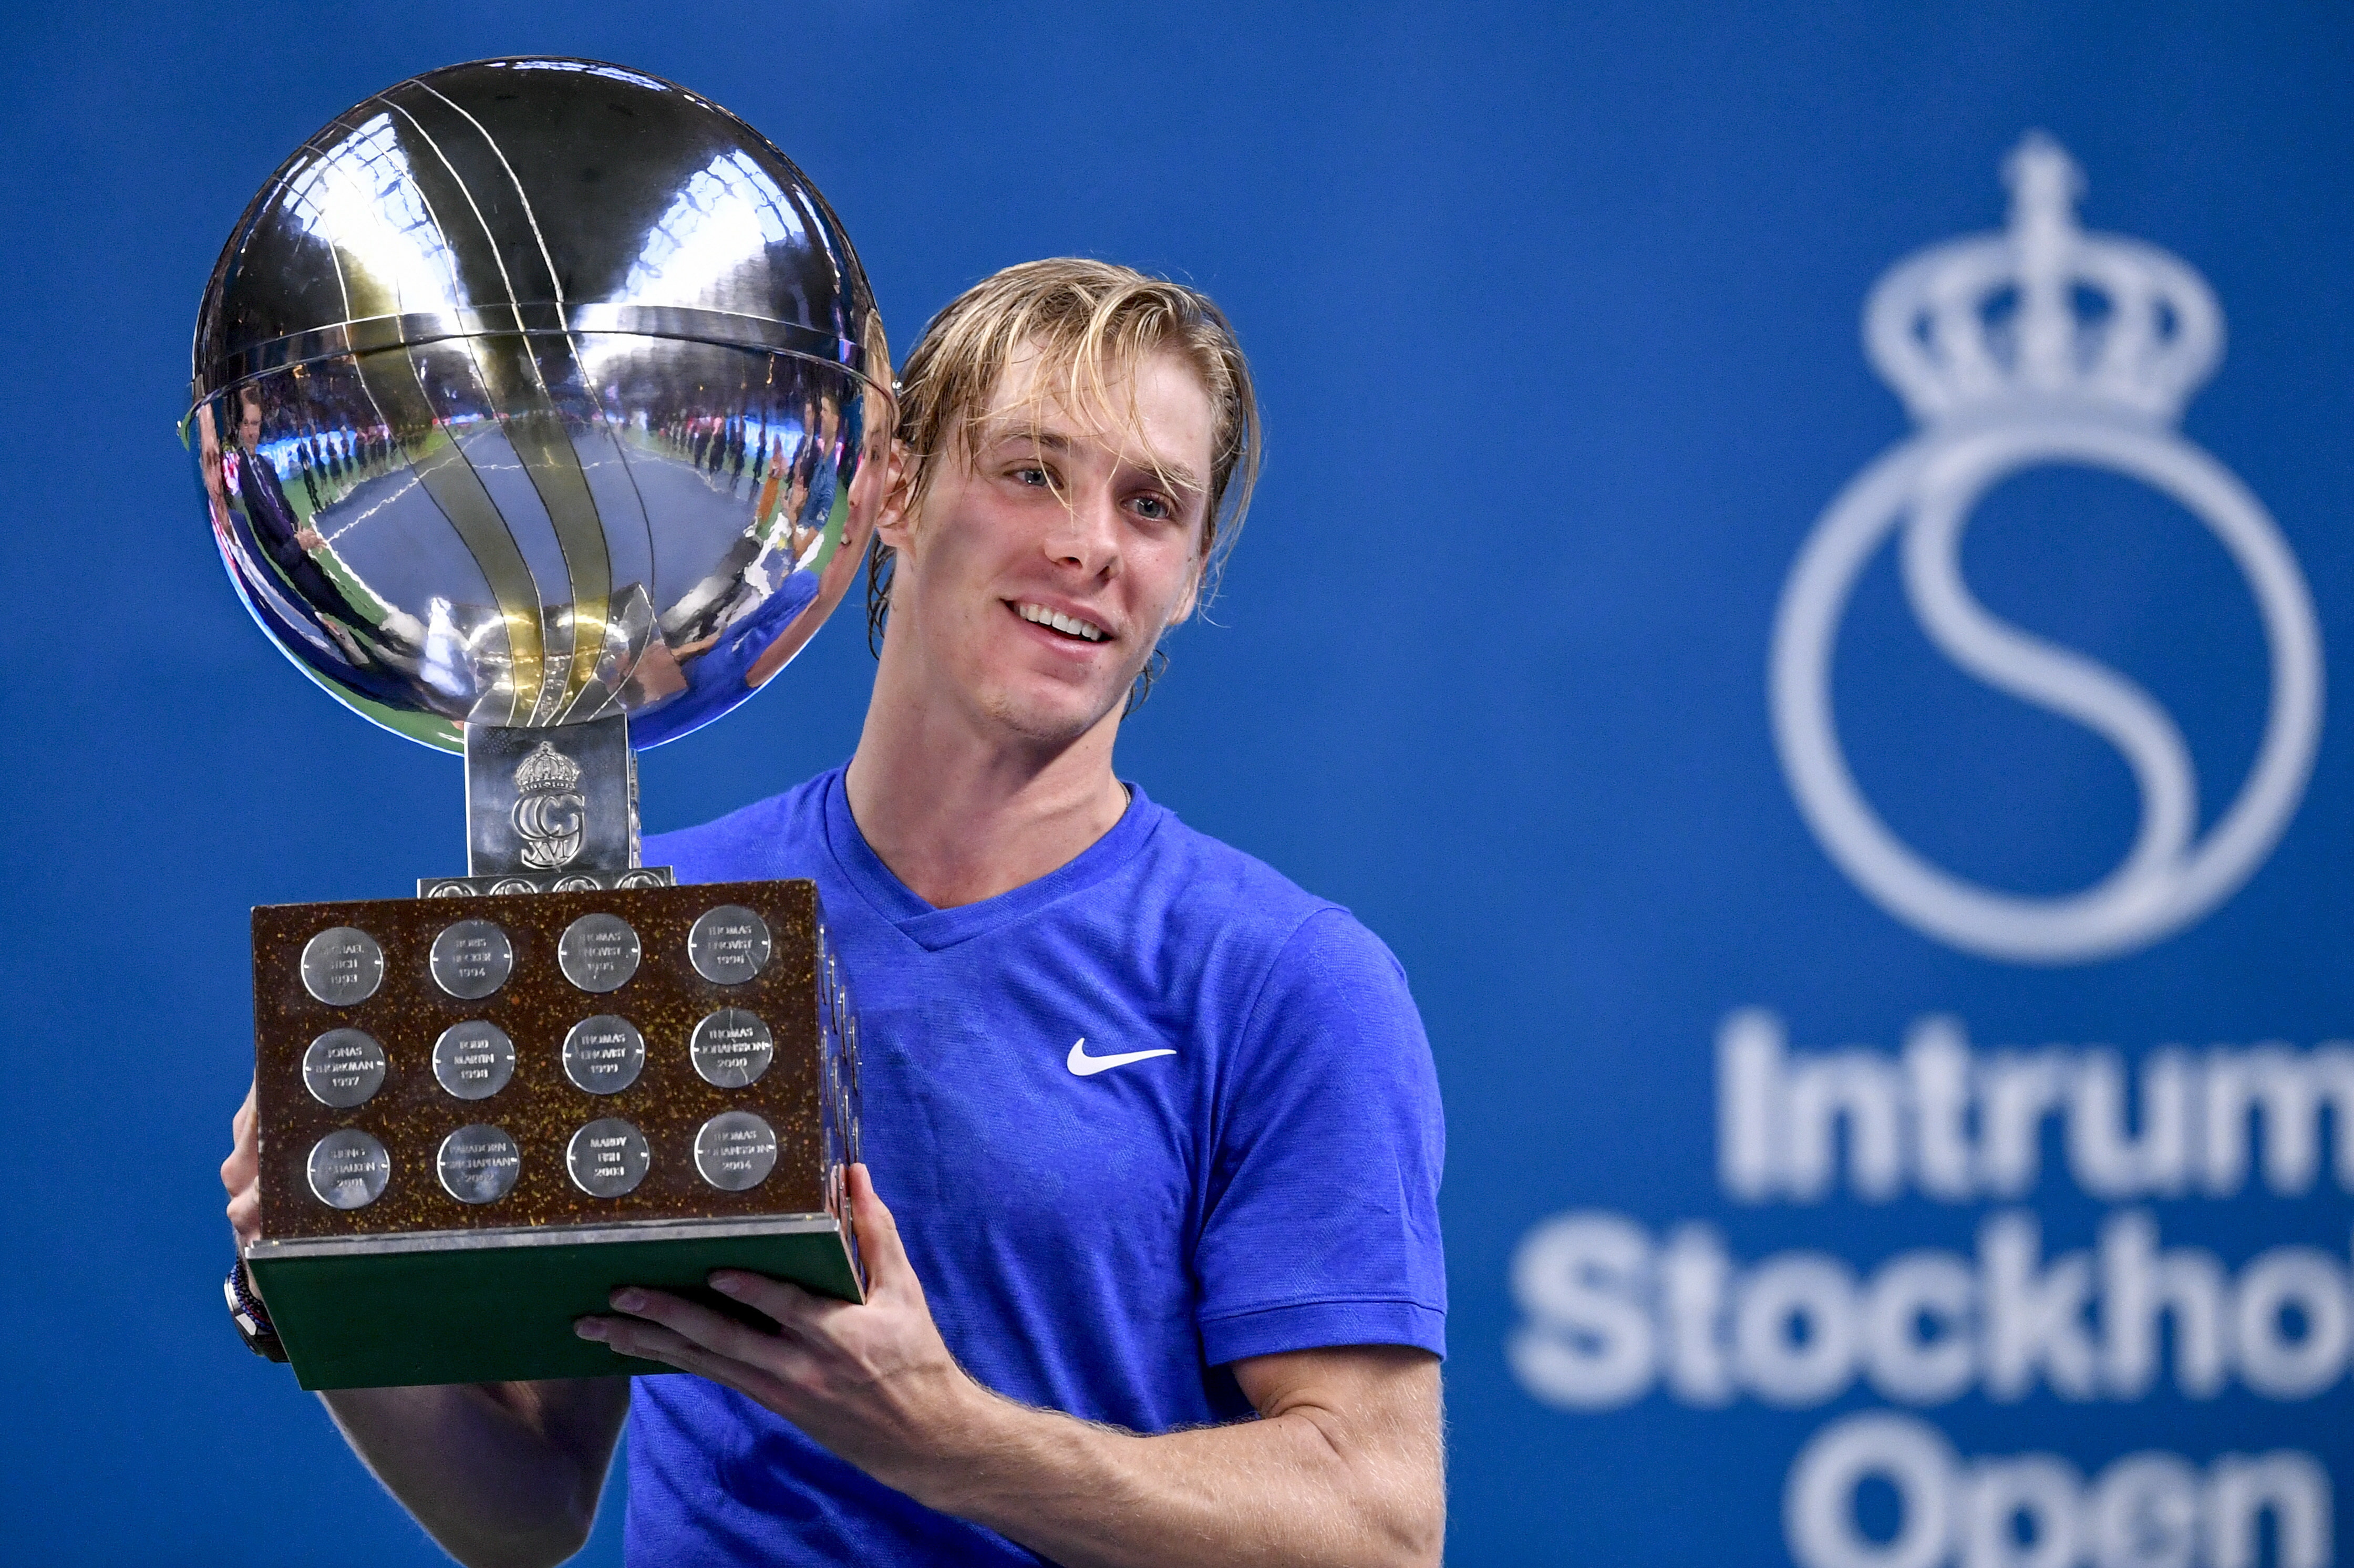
(551, 801)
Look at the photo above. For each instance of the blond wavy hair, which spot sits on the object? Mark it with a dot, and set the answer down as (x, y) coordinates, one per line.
(1090, 324)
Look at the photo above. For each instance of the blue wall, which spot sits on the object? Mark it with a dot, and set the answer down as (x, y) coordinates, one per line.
(1556, 318)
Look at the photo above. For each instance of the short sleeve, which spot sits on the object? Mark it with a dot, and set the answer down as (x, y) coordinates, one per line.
(1321, 1227)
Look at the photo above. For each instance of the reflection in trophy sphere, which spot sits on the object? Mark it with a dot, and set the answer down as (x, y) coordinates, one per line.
(532, 391)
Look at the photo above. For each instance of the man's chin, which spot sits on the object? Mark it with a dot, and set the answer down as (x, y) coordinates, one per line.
(1053, 720)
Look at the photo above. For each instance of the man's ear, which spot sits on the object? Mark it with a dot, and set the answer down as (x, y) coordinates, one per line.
(896, 476)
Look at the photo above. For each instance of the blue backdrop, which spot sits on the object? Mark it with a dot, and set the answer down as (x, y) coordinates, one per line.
(1803, 1190)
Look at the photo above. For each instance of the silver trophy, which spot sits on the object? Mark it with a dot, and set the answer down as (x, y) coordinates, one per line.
(530, 403)
(533, 403)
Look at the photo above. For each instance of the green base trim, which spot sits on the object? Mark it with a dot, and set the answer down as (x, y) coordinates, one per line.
(496, 1307)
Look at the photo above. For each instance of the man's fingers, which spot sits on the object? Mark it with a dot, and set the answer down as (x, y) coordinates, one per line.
(651, 1342)
(791, 1308)
(699, 1325)
(245, 1214)
(878, 1233)
(244, 1161)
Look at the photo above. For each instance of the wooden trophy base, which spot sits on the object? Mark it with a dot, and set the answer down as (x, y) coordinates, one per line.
(479, 1115)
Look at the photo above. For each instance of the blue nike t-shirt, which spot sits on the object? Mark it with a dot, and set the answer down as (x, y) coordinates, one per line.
(1099, 1231)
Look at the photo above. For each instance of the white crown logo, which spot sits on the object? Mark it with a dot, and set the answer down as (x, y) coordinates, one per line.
(2042, 346)
(547, 770)
(2043, 312)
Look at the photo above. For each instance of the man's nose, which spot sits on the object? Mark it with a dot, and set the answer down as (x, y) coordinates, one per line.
(1089, 536)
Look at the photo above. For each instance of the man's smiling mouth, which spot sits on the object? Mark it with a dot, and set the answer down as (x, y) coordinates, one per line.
(1068, 625)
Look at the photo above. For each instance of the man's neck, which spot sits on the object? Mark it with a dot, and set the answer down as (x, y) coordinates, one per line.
(961, 813)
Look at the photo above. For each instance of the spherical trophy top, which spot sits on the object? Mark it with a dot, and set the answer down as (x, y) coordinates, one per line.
(532, 391)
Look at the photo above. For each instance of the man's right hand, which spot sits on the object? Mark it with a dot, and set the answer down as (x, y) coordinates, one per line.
(500, 1474)
(241, 1172)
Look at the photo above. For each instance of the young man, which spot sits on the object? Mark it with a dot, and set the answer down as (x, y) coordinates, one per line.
(1162, 1127)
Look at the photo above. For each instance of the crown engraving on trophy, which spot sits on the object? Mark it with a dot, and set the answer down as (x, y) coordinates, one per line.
(2043, 312)
(550, 813)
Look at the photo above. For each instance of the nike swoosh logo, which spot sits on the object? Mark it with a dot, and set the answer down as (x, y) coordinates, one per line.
(1087, 1066)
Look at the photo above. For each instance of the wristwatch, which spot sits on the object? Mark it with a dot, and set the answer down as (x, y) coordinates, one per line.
(252, 1322)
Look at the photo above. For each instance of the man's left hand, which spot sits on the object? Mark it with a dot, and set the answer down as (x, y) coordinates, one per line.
(873, 1381)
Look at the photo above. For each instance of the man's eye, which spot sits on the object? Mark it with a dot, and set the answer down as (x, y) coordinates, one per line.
(1033, 476)
(1155, 507)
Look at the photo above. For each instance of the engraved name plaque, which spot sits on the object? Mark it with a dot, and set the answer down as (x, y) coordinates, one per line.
(728, 945)
(470, 960)
(473, 1060)
(604, 1054)
(735, 1151)
(478, 1164)
(348, 1169)
(731, 1048)
(343, 1068)
(607, 1157)
(597, 952)
(342, 965)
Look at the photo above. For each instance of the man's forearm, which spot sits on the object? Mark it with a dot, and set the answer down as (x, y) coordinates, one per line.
(1346, 1465)
(502, 1475)
(1298, 1486)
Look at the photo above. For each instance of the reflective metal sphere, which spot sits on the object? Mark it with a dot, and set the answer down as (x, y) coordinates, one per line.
(532, 391)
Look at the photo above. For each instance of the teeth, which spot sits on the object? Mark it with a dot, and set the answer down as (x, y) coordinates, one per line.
(1070, 625)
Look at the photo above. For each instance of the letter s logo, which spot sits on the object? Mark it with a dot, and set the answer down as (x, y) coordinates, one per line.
(2001, 393)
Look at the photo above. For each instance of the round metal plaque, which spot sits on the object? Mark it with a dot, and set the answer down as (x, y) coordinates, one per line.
(731, 1048)
(597, 952)
(472, 959)
(736, 1151)
(344, 1067)
(473, 1060)
(478, 1164)
(728, 945)
(604, 1054)
(348, 1169)
(607, 1157)
(342, 965)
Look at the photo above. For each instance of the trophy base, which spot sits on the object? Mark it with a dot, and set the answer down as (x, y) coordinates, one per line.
(497, 1306)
